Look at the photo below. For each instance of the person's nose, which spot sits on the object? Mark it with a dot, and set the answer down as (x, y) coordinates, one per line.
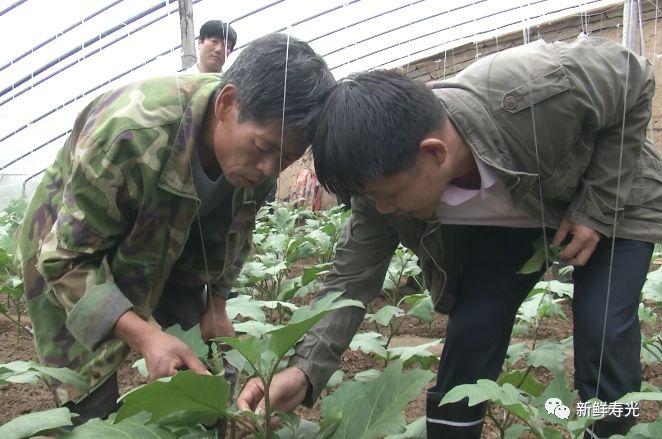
(384, 207)
(269, 166)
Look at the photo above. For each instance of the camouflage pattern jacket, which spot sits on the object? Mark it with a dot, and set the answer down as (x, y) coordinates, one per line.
(579, 92)
(108, 225)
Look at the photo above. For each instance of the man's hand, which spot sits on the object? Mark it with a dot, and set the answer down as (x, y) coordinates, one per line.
(215, 321)
(163, 352)
(288, 388)
(581, 247)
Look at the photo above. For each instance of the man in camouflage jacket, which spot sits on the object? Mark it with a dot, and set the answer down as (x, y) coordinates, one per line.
(469, 175)
(114, 234)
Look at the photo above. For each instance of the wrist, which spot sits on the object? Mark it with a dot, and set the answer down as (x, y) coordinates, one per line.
(217, 303)
(133, 330)
(301, 376)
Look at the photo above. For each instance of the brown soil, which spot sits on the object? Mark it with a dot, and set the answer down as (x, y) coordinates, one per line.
(21, 399)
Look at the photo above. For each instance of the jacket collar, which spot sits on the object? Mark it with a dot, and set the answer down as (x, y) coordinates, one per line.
(194, 95)
(479, 129)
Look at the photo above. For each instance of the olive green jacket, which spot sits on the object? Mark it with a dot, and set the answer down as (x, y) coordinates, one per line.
(109, 225)
(548, 113)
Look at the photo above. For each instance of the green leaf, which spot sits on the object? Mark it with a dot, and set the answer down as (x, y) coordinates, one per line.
(31, 372)
(374, 409)
(515, 431)
(367, 375)
(515, 352)
(251, 348)
(647, 315)
(549, 355)
(559, 289)
(134, 427)
(238, 361)
(506, 396)
(524, 381)
(331, 301)
(551, 433)
(265, 354)
(33, 423)
(199, 397)
(273, 304)
(535, 262)
(369, 343)
(422, 308)
(415, 354)
(640, 396)
(295, 428)
(652, 289)
(141, 366)
(303, 319)
(254, 328)
(316, 271)
(384, 315)
(245, 306)
(192, 338)
(650, 430)
(335, 379)
(528, 310)
(415, 430)
(557, 388)
(520, 330)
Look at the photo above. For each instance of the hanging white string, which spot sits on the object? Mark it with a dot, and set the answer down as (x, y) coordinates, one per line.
(409, 37)
(618, 189)
(282, 121)
(473, 24)
(654, 55)
(525, 33)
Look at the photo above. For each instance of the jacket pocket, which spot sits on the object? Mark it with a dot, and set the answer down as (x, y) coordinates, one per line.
(647, 184)
(536, 90)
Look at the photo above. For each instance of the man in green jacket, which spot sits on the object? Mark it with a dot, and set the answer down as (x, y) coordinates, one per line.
(148, 209)
(540, 141)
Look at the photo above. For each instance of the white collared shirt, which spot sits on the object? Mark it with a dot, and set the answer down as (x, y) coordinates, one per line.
(193, 70)
(490, 205)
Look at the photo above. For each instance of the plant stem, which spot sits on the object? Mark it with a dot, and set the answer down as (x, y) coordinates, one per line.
(267, 406)
(18, 324)
(490, 415)
(393, 331)
(653, 353)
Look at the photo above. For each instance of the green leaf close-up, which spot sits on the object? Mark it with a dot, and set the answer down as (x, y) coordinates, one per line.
(32, 423)
(31, 372)
(373, 409)
(186, 398)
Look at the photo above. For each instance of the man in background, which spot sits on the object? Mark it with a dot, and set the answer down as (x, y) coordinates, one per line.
(215, 43)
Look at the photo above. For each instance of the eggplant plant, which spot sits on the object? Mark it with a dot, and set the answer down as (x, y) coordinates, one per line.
(11, 283)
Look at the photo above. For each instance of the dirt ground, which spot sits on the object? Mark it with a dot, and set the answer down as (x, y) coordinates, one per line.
(21, 399)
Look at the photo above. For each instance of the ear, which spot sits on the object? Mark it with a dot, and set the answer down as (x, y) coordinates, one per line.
(225, 102)
(435, 148)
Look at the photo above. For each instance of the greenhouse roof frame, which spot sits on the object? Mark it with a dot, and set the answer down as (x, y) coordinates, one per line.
(42, 93)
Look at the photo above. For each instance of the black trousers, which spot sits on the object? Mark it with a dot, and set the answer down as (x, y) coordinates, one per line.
(490, 293)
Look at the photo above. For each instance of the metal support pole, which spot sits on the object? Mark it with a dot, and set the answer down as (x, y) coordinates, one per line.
(633, 36)
(187, 32)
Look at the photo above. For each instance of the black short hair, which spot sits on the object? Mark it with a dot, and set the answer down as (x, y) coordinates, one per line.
(260, 77)
(218, 29)
(371, 125)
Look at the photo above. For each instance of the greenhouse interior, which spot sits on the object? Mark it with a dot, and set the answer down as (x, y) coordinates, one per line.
(331, 219)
